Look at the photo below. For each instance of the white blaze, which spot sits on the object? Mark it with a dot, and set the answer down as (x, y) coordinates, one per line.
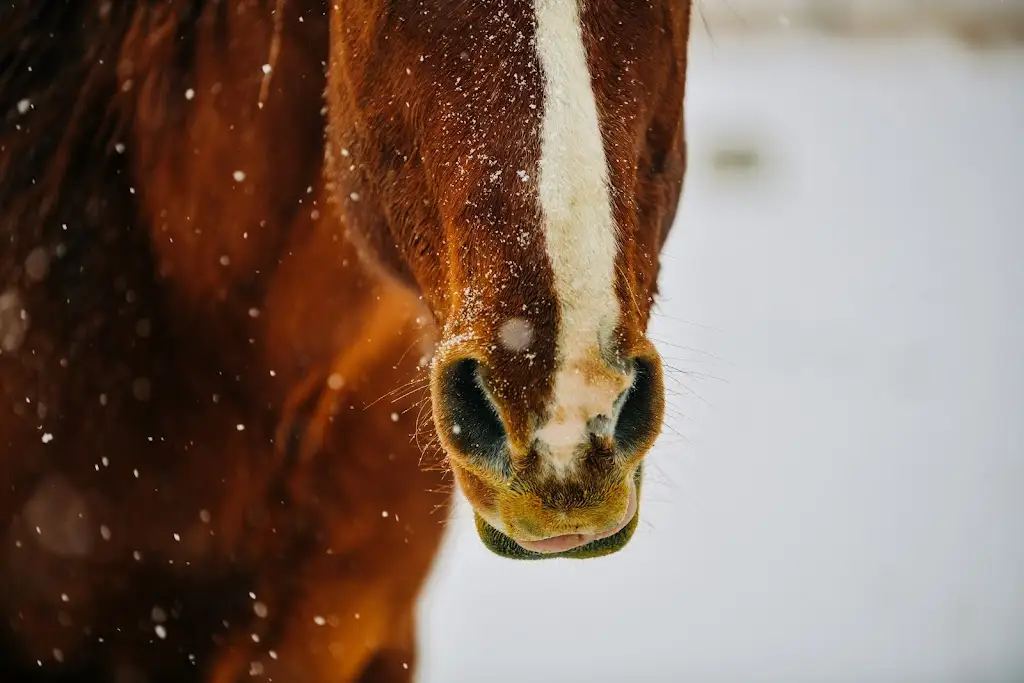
(580, 230)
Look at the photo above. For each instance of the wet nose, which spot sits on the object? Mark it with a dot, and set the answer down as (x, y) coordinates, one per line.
(474, 423)
(641, 407)
(471, 418)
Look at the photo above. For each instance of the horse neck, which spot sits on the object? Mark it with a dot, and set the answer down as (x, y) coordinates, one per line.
(252, 260)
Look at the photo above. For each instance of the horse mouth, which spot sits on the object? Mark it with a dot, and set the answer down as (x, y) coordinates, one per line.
(504, 546)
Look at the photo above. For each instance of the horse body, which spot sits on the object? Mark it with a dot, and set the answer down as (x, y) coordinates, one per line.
(198, 322)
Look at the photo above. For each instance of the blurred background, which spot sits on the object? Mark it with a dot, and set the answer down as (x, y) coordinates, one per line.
(839, 492)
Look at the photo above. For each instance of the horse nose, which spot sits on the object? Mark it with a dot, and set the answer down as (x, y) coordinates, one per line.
(641, 408)
(475, 426)
(620, 403)
(471, 419)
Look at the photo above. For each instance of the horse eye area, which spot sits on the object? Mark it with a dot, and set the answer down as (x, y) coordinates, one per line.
(473, 423)
(638, 418)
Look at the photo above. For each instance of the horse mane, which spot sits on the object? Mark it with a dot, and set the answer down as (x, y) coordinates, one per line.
(91, 99)
(75, 77)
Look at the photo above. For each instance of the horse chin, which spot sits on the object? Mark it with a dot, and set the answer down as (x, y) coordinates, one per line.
(503, 546)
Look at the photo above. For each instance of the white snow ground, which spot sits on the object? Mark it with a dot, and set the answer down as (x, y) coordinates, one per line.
(846, 500)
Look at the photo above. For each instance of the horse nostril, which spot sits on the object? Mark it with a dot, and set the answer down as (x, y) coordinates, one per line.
(473, 423)
(640, 416)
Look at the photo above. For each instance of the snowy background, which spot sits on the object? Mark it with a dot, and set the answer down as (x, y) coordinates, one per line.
(839, 493)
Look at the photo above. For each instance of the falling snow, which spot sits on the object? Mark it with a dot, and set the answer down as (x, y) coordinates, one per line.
(516, 334)
(142, 388)
(13, 322)
(37, 264)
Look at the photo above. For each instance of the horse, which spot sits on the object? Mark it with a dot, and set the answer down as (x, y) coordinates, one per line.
(277, 275)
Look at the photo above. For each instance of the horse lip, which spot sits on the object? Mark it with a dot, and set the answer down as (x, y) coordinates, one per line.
(504, 546)
(564, 542)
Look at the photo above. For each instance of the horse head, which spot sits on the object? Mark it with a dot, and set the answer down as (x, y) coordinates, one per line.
(517, 163)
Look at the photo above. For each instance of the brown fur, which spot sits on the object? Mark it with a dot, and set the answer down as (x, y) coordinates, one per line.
(193, 360)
